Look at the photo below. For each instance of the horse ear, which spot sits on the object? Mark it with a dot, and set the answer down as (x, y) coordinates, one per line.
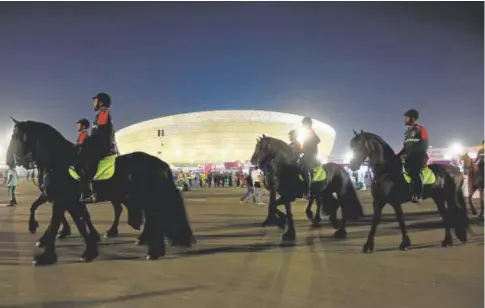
(355, 133)
(361, 131)
(264, 136)
(15, 121)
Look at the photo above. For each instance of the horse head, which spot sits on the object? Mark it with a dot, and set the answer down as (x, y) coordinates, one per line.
(367, 145)
(35, 142)
(260, 153)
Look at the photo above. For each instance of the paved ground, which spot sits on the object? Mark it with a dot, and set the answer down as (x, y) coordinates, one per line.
(236, 263)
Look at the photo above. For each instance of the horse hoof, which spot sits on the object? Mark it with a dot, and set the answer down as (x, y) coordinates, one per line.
(33, 226)
(140, 242)
(151, 257)
(309, 214)
(63, 235)
(368, 247)
(446, 243)
(95, 237)
(340, 234)
(268, 222)
(111, 233)
(89, 255)
(288, 237)
(39, 244)
(44, 259)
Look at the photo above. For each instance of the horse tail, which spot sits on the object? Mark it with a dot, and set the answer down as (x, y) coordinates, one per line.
(350, 203)
(175, 223)
(352, 208)
(455, 201)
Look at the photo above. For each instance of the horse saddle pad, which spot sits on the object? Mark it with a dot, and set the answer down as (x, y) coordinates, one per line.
(105, 171)
(427, 176)
(319, 174)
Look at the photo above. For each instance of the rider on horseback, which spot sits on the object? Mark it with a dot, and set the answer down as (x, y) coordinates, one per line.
(294, 144)
(82, 129)
(414, 152)
(101, 142)
(310, 151)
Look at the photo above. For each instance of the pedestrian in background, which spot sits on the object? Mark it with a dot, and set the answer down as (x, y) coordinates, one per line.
(249, 188)
(257, 185)
(11, 182)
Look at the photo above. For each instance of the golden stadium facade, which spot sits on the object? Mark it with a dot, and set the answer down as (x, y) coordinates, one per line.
(213, 136)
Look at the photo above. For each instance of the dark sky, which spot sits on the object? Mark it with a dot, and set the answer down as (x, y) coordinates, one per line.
(351, 65)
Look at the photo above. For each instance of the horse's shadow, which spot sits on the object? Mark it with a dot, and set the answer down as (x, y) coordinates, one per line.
(107, 301)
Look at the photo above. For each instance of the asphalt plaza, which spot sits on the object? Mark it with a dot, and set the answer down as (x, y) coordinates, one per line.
(236, 263)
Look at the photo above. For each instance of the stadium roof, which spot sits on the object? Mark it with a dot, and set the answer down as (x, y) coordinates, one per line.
(213, 136)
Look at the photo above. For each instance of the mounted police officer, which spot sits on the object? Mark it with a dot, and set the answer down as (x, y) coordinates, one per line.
(310, 152)
(82, 129)
(414, 152)
(294, 144)
(100, 143)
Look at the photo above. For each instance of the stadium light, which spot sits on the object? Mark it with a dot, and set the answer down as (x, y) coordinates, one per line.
(456, 149)
(348, 156)
(302, 135)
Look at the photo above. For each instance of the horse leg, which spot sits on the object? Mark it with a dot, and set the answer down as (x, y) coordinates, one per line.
(290, 233)
(376, 219)
(49, 256)
(271, 218)
(441, 205)
(93, 233)
(341, 232)
(143, 237)
(406, 242)
(80, 215)
(113, 230)
(317, 218)
(152, 225)
(43, 239)
(471, 191)
(66, 229)
(308, 210)
(280, 216)
(33, 224)
(481, 204)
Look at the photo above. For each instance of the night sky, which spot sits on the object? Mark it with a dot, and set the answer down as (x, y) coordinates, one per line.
(351, 65)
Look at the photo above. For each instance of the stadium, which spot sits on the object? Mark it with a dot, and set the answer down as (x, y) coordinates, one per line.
(214, 136)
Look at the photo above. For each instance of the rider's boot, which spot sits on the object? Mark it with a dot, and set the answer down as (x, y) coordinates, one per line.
(307, 183)
(417, 189)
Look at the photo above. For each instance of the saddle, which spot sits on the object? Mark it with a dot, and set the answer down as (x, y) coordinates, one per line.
(104, 171)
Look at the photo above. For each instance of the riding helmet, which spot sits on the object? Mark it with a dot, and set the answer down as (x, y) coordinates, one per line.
(412, 113)
(84, 122)
(307, 120)
(103, 98)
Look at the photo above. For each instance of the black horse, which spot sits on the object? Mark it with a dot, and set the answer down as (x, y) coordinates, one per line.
(390, 186)
(339, 190)
(141, 182)
(289, 185)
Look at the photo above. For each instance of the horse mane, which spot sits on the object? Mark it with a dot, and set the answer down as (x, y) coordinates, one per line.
(386, 146)
(51, 138)
(44, 128)
(281, 144)
(282, 148)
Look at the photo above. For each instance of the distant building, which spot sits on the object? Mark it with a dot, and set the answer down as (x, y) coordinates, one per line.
(213, 136)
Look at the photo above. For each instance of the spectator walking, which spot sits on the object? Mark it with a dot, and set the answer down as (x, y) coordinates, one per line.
(11, 182)
(257, 185)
